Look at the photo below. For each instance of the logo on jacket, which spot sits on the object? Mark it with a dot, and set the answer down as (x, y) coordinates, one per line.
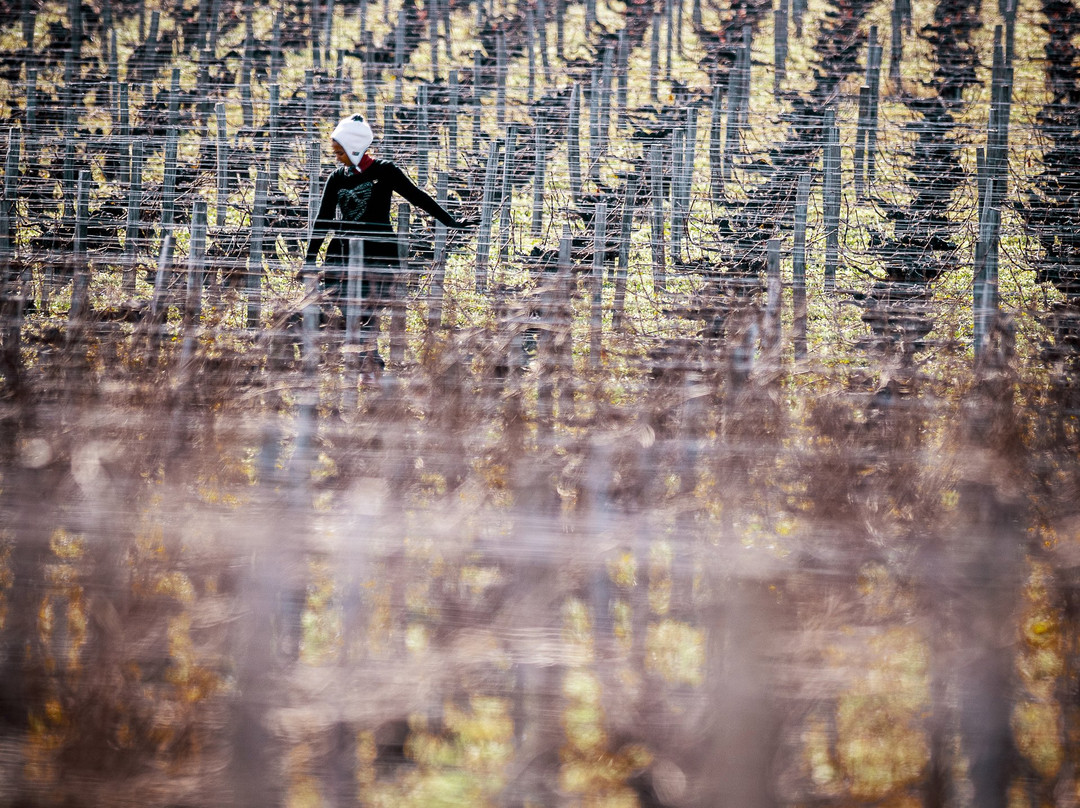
(354, 201)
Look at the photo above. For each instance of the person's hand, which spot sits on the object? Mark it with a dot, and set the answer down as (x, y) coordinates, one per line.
(468, 223)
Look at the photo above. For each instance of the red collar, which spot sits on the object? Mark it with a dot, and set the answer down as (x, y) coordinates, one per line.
(365, 163)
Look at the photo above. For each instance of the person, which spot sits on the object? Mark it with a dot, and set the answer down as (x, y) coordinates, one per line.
(356, 204)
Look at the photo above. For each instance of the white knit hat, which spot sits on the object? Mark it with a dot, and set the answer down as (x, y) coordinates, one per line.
(353, 135)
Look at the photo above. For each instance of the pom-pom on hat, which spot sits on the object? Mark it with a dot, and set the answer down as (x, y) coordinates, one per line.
(353, 135)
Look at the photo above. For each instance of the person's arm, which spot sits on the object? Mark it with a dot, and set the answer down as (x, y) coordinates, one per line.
(324, 219)
(405, 187)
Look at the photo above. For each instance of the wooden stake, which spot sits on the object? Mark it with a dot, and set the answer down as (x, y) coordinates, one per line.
(831, 198)
(453, 92)
(597, 285)
(438, 266)
(573, 151)
(716, 146)
(196, 269)
(9, 211)
(134, 218)
(771, 337)
(539, 174)
(483, 241)
(654, 58)
(399, 288)
(798, 266)
(657, 241)
(168, 185)
(253, 285)
(500, 79)
(506, 194)
(780, 45)
(623, 267)
(222, 165)
(80, 283)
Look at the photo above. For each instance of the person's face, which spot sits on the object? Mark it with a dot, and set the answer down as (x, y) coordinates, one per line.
(339, 153)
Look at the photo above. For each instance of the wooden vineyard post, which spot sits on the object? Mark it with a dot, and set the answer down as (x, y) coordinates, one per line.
(683, 152)
(113, 64)
(669, 13)
(276, 55)
(313, 155)
(392, 110)
(438, 265)
(309, 102)
(530, 47)
(596, 312)
(31, 100)
(622, 85)
(134, 218)
(69, 117)
(168, 185)
(196, 269)
(773, 325)
(539, 175)
(734, 116)
(13, 281)
(798, 9)
(831, 187)
(564, 327)
(399, 289)
(423, 144)
(122, 141)
(985, 291)
(605, 99)
(680, 8)
(623, 266)
(477, 98)
(253, 285)
(560, 29)
(222, 200)
(433, 37)
(399, 41)
(483, 239)
(657, 226)
(654, 58)
(993, 164)
(716, 146)
(272, 151)
(500, 79)
(80, 282)
(328, 33)
(744, 77)
(542, 38)
(9, 204)
(453, 93)
(246, 66)
(157, 301)
(75, 21)
(873, 83)
(896, 43)
(28, 16)
(780, 45)
(354, 338)
(370, 79)
(798, 266)
(573, 148)
(860, 141)
(678, 151)
(593, 165)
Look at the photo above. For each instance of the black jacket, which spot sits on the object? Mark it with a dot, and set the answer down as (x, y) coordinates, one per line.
(363, 198)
